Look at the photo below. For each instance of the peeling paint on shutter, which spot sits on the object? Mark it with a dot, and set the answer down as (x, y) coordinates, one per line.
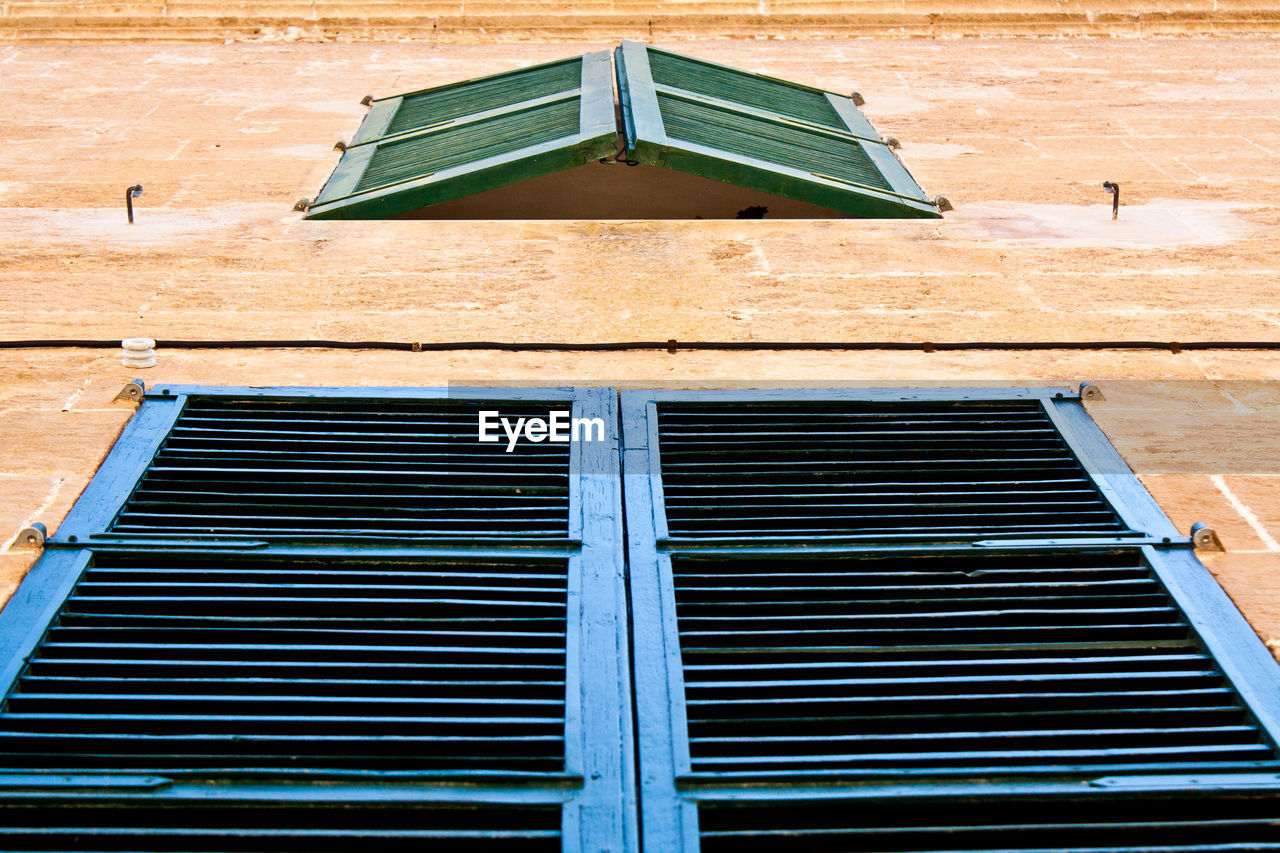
(759, 132)
(417, 149)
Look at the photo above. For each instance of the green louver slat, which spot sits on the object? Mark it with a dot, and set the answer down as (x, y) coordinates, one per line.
(426, 147)
(716, 81)
(403, 159)
(786, 145)
(753, 131)
(488, 93)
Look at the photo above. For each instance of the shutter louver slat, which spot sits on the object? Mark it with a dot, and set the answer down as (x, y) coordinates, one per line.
(480, 140)
(297, 468)
(1184, 822)
(832, 669)
(368, 670)
(421, 109)
(112, 827)
(785, 145)
(705, 78)
(961, 469)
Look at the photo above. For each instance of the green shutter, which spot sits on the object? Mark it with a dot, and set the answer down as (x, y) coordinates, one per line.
(762, 133)
(434, 145)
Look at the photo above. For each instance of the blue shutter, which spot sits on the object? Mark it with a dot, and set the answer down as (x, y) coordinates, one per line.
(303, 619)
(928, 621)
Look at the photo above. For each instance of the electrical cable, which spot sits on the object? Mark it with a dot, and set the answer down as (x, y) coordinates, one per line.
(670, 345)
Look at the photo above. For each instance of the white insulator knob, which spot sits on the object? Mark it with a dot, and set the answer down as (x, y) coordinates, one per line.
(139, 352)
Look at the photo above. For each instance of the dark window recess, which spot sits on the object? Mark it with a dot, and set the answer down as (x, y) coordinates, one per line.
(254, 827)
(256, 467)
(990, 663)
(880, 471)
(682, 138)
(164, 662)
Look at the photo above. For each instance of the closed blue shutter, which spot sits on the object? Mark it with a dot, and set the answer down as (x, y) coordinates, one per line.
(302, 619)
(928, 621)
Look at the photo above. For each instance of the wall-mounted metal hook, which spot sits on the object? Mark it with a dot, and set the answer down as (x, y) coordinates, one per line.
(129, 195)
(1113, 188)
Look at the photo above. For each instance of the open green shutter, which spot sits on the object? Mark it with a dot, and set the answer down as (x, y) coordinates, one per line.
(935, 621)
(759, 132)
(438, 144)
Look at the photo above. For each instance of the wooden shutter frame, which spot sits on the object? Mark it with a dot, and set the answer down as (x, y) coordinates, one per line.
(597, 783)
(670, 792)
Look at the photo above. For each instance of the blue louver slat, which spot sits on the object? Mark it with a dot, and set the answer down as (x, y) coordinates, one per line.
(279, 827)
(873, 469)
(255, 467)
(950, 663)
(1168, 822)
(156, 663)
